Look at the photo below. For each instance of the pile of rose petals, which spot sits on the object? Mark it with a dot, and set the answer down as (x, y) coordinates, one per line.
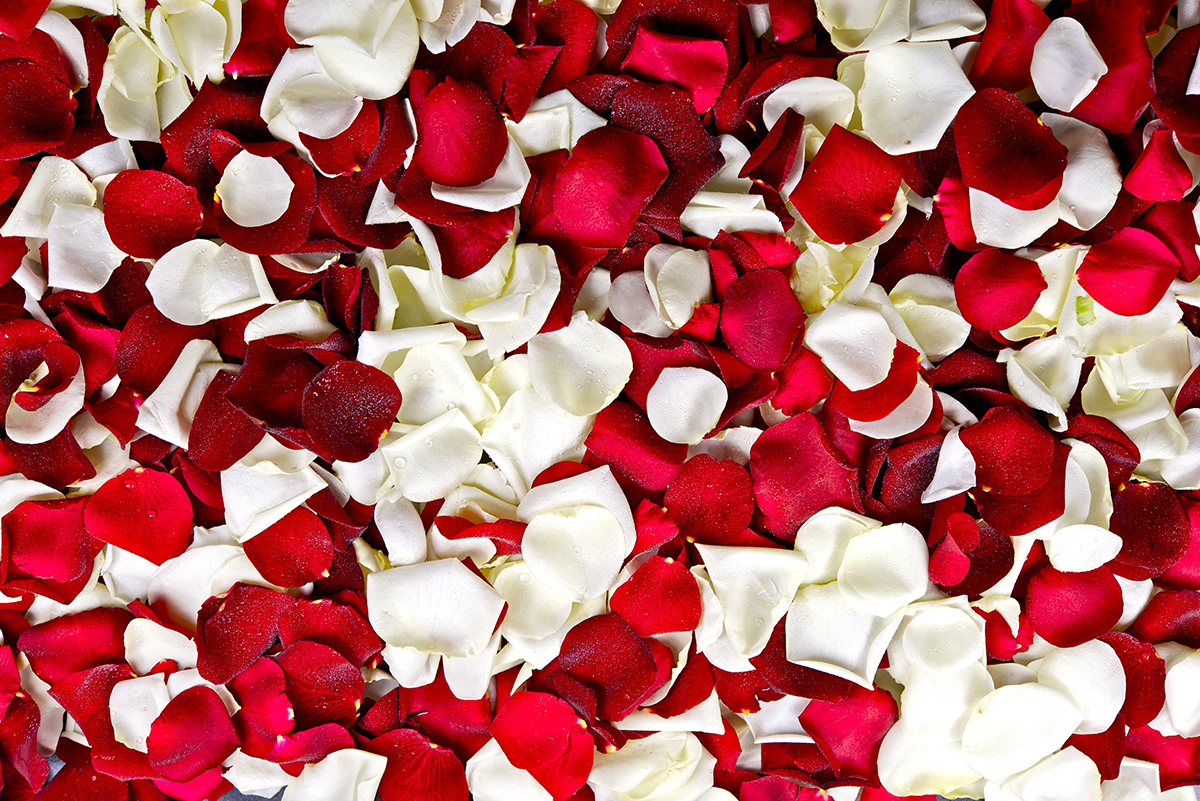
(591, 400)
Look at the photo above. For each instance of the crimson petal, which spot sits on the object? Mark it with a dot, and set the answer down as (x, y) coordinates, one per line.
(604, 653)
(1145, 677)
(146, 512)
(995, 290)
(848, 191)
(761, 319)
(292, 552)
(849, 731)
(418, 768)
(622, 438)
(1003, 148)
(1153, 527)
(72, 643)
(191, 735)
(1130, 273)
(711, 501)
(660, 596)
(322, 686)
(533, 728)
(1068, 609)
(348, 407)
(461, 137)
(148, 212)
(36, 109)
(698, 65)
(234, 630)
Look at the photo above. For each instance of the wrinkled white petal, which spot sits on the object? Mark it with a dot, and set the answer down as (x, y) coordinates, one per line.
(854, 343)
(1045, 375)
(504, 189)
(400, 527)
(434, 607)
(468, 676)
(200, 281)
(943, 640)
(169, 411)
(1091, 675)
(46, 422)
(679, 279)
(197, 36)
(1082, 547)
(436, 379)
(433, 459)
(823, 540)
(252, 776)
(1068, 775)
(595, 488)
(1066, 65)
(491, 777)
(926, 304)
(576, 551)
(1183, 472)
(825, 633)
(524, 303)
(1092, 179)
(346, 775)
(657, 766)
(864, 25)
(884, 569)
(755, 587)
(685, 403)
(147, 644)
(1147, 417)
(56, 182)
(410, 667)
(80, 255)
(535, 609)
(257, 497)
(450, 26)
(303, 318)
(1000, 225)
(254, 190)
(129, 85)
(1015, 727)
(300, 97)
(939, 19)
(910, 94)
(381, 70)
(553, 122)
(531, 434)
(955, 471)
(581, 368)
(133, 705)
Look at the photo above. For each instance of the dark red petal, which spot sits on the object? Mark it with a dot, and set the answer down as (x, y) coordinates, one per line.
(1178, 758)
(711, 501)
(77, 642)
(286, 234)
(1006, 47)
(1105, 748)
(85, 696)
(148, 212)
(849, 731)
(1013, 455)
(18, 20)
(1170, 615)
(660, 596)
(605, 184)
(262, 43)
(791, 679)
(995, 290)
(149, 345)
(533, 728)
(146, 512)
(266, 711)
(698, 65)
(848, 191)
(606, 655)
(418, 768)
(797, 473)
(715, 20)
(1002, 644)
(1130, 273)
(322, 686)
(221, 432)
(227, 106)
(461, 137)
(348, 408)
(36, 109)
(348, 151)
(1003, 148)
(293, 552)
(771, 162)
(989, 552)
(761, 319)
(234, 630)
(270, 386)
(1119, 452)
(344, 203)
(1068, 609)
(1145, 677)
(1153, 527)
(573, 25)
(1172, 71)
(623, 439)
(334, 624)
(191, 735)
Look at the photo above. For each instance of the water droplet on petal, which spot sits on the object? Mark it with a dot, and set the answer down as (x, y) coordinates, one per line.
(152, 514)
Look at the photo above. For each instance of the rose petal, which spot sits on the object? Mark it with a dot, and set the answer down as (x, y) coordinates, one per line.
(191, 735)
(143, 511)
(849, 190)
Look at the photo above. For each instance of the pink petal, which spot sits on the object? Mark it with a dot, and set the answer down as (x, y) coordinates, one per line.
(191, 735)
(143, 511)
(1156, 532)
(234, 630)
(36, 109)
(995, 290)
(76, 642)
(849, 731)
(348, 408)
(605, 184)
(660, 596)
(761, 319)
(1128, 274)
(605, 654)
(698, 65)
(148, 212)
(322, 686)
(623, 439)
(1068, 609)
(418, 768)
(1145, 677)
(710, 501)
(797, 473)
(1003, 149)
(461, 137)
(848, 191)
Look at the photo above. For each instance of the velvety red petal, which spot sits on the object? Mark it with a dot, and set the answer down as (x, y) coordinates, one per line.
(605, 654)
(995, 290)
(761, 319)
(605, 184)
(989, 553)
(322, 686)
(191, 735)
(1068, 609)
(47, 541)
(1013, 455)
(76, 642)
(1006, 47)
(309, 745)
(1172, 71)
(1145, 677)
(711, 501)
(1160, 173)
(221, 432)
(266, 712)
(1130, 273)
(1154, 529)
(1120, 454)
(533, 728)
(1117, 30)
(771, 162)
(143, 511)
(227, 106)
(36, 109)
(348, 151)
(418, 768)
(1178, 758)
(85, 697)
(1003, 148)
(148, 212)
(877, 402)
(716, 20)
(572, 25)
(270, 386)
(789, 678)
(288, 233)
(623, 439)
(344, 203)
(698, 65)
(660, 596)
(292, 552)
(1170, 615)
(149, 345)
(234, 630)
(569, 773)
(348, 408)
(1002, 644)
(334, 624)
(461, 137)
(849, 731)
(797, 473)
(18, 20)
(848, 191)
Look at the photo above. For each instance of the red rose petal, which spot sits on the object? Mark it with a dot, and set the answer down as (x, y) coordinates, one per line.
(234, 630)
(605, 184)
(461, 137)
(191, 735)
(348, 407)
(995, 290)
(47, 548)
(143, 511)
(622, 438)
(36, 109)
(660, 596)
(1006, 47)
(76, 642)
(572, 25)
(1004, 149)
(1170, 615)
(849, 731)
(418, 768)
(221, 432)
(1068, 609)
(1153, 527)
(1145, 677)
(1172, 71)
(1160, 173)
(698, 65)
(266, 711)
(605, 654)
(1130, 273)
(711, 501)
(322, 686)
(292, 552)
(148, 212)
(761, 319)
(848, 191)
(771, 162)
(533, 728)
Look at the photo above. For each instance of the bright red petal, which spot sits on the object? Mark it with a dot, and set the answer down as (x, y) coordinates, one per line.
(1068, 609)
(148, 212)
(848, 191)
(1003, 148)
(461, 137)
(995, 290)
(143, 511)
(1130, 273)
(761, 319)
(191, 735)
(661, 596)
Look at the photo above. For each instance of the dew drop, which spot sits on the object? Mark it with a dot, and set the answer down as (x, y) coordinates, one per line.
(152, 514)
(416, 376)
(578, 550)
(429, 371)
(451, 406)
(130, 483)
(400, 461)
(524, 578)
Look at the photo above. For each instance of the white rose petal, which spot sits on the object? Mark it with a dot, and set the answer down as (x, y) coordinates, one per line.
(826, 633)
(147, 643)
(1066, 65)
(581, 368)
(1092, 179)
(134, 704)
(755, 587)
(854, 343)
(686, 403)
(1082, 547)
(576, 551)
(254, 190)
(1068, 775)
(433, 459)
(943, 640)
(346, 775)
(1092, 676)
(1015, 727)
(884, 569)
